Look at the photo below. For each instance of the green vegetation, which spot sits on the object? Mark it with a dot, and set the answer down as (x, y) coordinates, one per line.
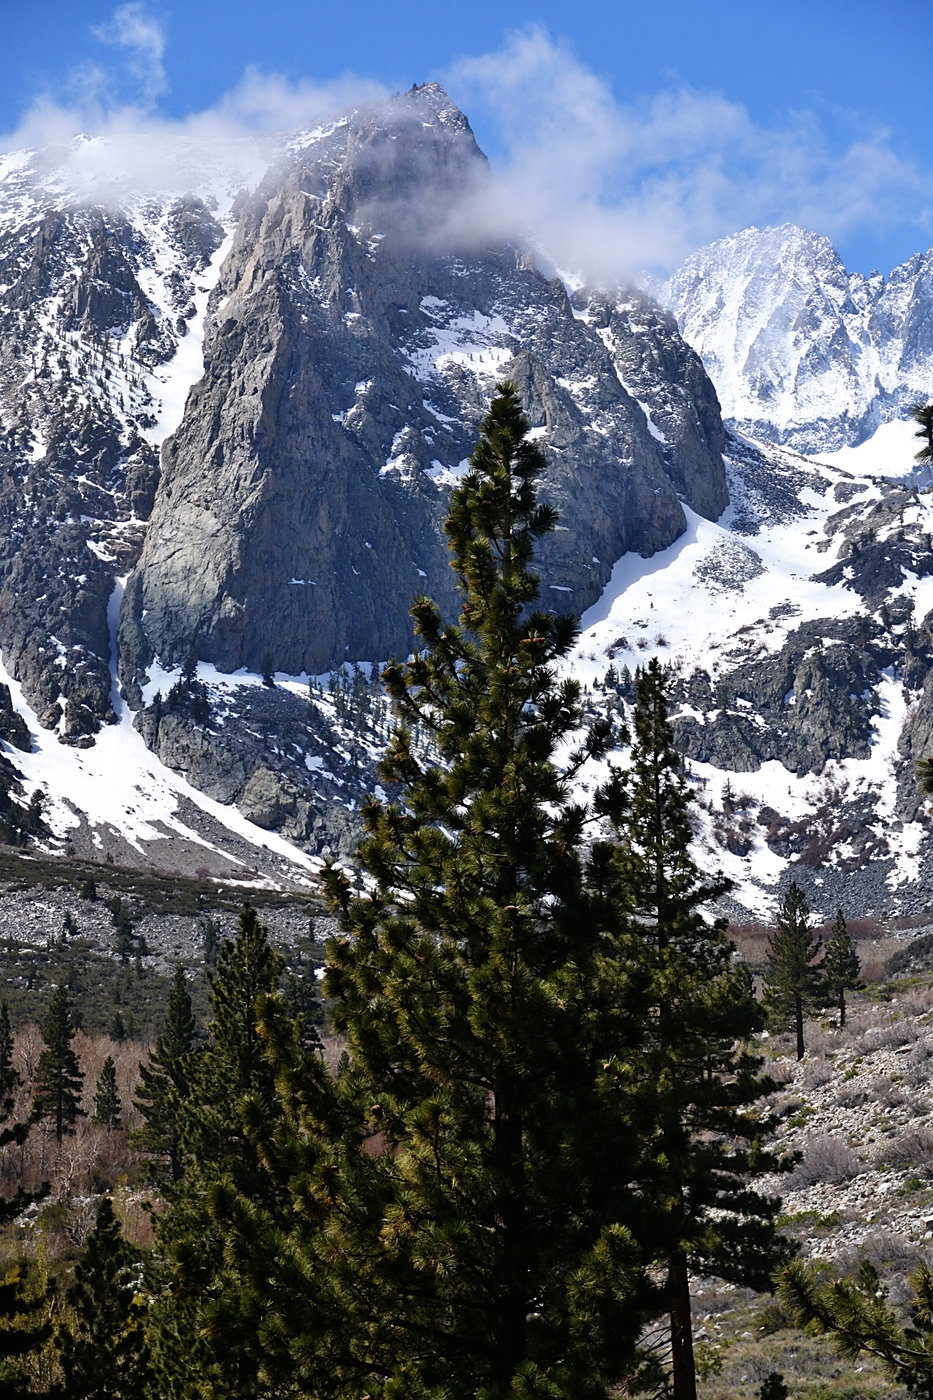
(534, 1121)
(792, 981)
(58, 1075)
(840, 966)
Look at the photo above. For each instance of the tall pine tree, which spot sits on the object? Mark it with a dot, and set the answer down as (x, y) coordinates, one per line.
(107, 1106)
(103, 1351)
(700, 1013)
(841, 968)
(163, 1081)
(462, 1199)
(200, 1348)
(793, 983)
(58, 1074)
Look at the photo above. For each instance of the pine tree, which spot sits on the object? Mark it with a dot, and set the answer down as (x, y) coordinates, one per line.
(841, 967)
(9, 1078)
(859, 1318)
(58, 1075)
(197, 1344)
(792, 983)
(922, 414)
(163, 1081)
(924, 771)
(461, 1194)
(700, 1011)
(107, 1106)
(104, 1355)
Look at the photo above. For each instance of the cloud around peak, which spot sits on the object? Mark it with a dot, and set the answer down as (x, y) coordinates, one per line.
(615, 186)
(604, 187)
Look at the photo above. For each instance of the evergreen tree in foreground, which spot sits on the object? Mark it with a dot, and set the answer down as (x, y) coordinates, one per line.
(58, 1075)
(700, 1013)
(203, 1345)
(103, 1352)
(841, 968)
(792, 983)
(462, 1203)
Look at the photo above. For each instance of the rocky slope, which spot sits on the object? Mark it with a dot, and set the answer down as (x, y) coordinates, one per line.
(801, 351)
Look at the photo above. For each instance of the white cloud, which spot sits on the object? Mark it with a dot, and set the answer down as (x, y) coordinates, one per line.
(614, 187)
(142, 40)
(138, 149)
(606, 187)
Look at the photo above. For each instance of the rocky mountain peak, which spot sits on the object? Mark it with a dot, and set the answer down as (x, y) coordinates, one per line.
(801, 351)
(350, 350)
(250, 398)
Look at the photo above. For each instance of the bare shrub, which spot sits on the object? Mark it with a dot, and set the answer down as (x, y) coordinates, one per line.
(890, 1095)
(853, 1096)
(913, 1146)
(891, 1036)
(885, 1249)
(818, 1072)
(827, 1159)
(916, 1002)
(820, 1042)
(27, 1045)
(781, 1071)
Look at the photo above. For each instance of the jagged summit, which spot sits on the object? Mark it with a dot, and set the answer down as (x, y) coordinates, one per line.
(431, 98)
(801, 351)
(354, 337)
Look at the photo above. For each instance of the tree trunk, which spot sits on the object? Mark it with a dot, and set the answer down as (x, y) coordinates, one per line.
(509, 1293)
(842, 1007)
(682, 1366)
(798, 1019)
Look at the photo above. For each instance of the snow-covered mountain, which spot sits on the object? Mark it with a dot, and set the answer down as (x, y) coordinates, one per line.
(229, 420)
(312, 349)
(801, 351)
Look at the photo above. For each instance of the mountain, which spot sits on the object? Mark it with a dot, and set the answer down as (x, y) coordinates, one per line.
(801, 351)
(340, 329)
(348, 359)
(231, 411)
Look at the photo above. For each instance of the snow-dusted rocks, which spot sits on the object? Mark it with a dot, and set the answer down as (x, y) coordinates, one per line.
(801, 351)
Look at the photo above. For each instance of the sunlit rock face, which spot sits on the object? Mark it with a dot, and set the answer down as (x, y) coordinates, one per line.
(358, 329)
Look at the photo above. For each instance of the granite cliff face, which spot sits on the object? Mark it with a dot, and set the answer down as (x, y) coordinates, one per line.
(353, 340)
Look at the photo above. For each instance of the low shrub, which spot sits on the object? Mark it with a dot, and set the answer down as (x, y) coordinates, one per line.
(825, 1159)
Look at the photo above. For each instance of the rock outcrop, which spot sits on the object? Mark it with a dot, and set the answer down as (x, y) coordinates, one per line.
(354, 338)
(86, 320)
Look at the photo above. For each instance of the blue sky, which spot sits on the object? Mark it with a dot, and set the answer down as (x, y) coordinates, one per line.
(629, 133)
